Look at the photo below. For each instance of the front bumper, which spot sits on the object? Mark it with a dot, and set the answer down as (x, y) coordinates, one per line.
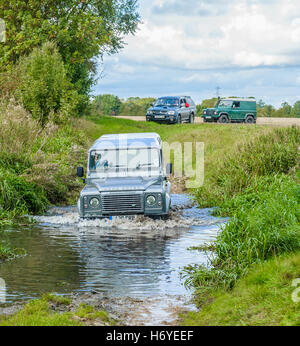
(167, 119)
(131, 203)
(210, 118)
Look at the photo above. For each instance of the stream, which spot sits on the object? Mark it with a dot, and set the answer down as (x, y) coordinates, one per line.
(132, 266)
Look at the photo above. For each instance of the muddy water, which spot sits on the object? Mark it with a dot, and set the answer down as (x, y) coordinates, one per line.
(133, 264)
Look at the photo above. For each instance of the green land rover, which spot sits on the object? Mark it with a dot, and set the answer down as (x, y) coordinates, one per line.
(232, 110)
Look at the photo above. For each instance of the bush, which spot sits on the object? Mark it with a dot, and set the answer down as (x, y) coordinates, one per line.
(44, 88)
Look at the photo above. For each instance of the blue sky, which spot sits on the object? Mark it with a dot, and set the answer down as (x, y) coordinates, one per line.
(246, 47)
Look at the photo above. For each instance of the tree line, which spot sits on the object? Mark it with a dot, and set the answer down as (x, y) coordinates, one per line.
(108, 104)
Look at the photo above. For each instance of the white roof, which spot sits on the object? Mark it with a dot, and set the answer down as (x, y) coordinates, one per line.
(125, 140)
(238, 99)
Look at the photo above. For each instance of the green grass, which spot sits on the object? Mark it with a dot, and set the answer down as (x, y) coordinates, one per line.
(239, 173)
(41, 312)
(256, 232)
(259, 189)
(262, 298)
(219, 140)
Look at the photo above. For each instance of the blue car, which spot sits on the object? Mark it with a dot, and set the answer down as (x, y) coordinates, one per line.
(172, 110)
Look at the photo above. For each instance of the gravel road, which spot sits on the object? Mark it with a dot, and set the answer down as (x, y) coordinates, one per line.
(283, 122)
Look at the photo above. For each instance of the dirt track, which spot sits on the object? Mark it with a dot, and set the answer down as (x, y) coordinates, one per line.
(283, 122)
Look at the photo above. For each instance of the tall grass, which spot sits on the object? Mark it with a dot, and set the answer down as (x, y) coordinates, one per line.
(271, 153)
(37, 165)
(259, 188)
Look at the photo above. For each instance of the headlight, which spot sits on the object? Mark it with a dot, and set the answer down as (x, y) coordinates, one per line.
(94, 202)
(216, 113)
(171, 113)
(151, 200)
(150, 112)
(204, 112)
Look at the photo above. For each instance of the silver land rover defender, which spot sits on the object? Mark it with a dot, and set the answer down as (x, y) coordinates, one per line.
(125, 176)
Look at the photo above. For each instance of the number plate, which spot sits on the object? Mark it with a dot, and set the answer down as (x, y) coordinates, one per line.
(209, 117)
(122, 217)
(159, 117)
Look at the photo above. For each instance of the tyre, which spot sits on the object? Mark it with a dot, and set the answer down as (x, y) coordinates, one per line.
(191, 121)
(223, 119)
(179, 121)
(250, 120)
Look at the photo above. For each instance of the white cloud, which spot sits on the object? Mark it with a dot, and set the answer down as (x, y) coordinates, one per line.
(241, 45)
(249, 34)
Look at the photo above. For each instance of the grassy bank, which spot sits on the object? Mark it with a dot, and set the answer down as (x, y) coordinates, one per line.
(53, 310)
(259, 188)
(262, 298)
(37, 164)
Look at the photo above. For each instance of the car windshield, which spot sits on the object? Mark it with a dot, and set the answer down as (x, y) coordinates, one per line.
(224, 103)
(168, 102)
(139, 161)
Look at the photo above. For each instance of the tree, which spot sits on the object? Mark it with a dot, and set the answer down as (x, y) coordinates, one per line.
(107, 104)
(82, 29)
(43, 86)
(207, 103)
(260, 104)
(136, 106)
(296, 109)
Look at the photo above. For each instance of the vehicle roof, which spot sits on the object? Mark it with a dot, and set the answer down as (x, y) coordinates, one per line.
(125, 140)
(238, 99)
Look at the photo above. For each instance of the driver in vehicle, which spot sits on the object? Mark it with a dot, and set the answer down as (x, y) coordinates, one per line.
(98, 163)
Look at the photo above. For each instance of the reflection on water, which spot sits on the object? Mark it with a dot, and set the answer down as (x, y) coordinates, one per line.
(137, 258)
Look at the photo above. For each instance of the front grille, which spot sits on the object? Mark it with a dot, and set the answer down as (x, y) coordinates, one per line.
(210, 112)
(160, 112)
(119, 204)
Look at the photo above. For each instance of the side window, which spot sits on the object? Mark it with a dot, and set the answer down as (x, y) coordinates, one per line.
(236, 104)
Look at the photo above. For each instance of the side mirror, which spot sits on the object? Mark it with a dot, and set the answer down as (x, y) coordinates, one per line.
(169, 169)
(80, 172)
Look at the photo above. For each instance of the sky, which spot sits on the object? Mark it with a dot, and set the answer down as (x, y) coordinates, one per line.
(244, 47)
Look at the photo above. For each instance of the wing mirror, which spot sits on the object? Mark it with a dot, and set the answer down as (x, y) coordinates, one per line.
(80, 172)
(169, 169)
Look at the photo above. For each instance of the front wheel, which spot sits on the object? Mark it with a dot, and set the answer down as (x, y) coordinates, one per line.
(223, 119)
(179, 121)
